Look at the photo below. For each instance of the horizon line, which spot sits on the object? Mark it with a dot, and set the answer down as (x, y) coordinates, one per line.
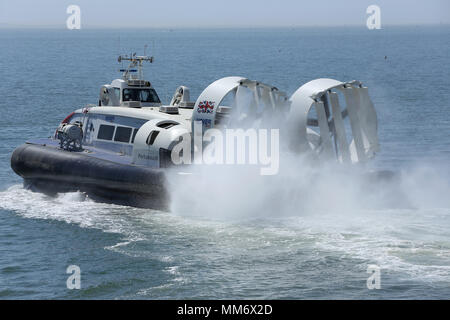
(104, 27)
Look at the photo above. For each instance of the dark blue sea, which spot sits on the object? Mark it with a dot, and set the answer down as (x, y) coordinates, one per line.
(251, 245)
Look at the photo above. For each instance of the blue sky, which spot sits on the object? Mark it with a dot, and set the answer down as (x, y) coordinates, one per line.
(224, 13)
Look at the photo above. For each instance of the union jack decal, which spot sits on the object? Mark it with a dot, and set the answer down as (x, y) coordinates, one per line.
(205, 107)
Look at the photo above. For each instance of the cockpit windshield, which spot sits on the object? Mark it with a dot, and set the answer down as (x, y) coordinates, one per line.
(143, 95)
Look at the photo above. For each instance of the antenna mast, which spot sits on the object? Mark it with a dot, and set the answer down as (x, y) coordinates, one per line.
(135, 61)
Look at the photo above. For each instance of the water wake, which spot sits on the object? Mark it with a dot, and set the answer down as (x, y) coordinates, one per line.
(398, 222)
(74, 207)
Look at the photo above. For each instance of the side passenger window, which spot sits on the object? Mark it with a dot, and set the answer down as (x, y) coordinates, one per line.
(105, 132)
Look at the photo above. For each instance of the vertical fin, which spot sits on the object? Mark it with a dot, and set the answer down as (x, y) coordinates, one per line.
(324, 128)
(340, 128)
(352, 107)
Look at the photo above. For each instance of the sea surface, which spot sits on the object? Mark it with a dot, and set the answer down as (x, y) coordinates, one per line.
(308, 235)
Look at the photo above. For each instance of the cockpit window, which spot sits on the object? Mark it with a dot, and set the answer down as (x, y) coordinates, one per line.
(143, 95)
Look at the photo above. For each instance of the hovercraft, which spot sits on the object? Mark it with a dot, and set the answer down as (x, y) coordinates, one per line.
(120, 149)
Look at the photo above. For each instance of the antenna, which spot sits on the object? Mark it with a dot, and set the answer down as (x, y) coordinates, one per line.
(135, 61)
(118, 45)
(118, 48)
